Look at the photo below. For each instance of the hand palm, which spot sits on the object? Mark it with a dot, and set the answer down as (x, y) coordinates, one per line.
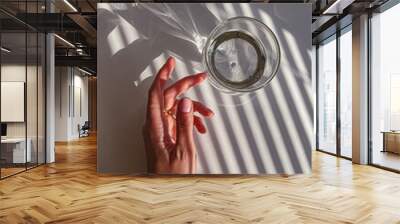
(169, 124)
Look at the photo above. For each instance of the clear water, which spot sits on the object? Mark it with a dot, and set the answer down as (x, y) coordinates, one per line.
(236, 60)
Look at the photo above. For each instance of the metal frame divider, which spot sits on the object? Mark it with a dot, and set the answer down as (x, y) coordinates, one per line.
(45, 73)
(338, 98)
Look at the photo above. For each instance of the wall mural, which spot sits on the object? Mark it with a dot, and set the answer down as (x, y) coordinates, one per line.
(205, 88)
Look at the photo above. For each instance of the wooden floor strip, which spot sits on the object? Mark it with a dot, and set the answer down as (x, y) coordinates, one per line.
(70, 191)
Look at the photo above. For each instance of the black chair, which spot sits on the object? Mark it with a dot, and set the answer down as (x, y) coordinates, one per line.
(84, 130)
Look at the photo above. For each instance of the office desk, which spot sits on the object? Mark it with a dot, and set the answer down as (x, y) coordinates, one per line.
(391, 141)
(13, 150)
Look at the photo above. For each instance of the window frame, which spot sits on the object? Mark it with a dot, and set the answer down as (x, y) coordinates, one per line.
(338, 34)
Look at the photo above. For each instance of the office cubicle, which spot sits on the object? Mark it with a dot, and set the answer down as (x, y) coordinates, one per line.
(22, 94)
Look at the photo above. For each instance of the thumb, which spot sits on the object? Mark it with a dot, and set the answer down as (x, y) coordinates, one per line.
(185, 123)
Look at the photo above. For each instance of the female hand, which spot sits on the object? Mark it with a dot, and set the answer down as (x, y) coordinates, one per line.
(168, 131)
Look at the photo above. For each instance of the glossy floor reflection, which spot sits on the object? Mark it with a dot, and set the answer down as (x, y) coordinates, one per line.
(387, 159)
(70, 191)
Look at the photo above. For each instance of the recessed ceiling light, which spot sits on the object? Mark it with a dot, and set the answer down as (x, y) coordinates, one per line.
(64, 40)
(84, 71)
(337, 7)
(70, 5)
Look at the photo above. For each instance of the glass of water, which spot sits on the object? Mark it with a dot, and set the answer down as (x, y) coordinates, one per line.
(241, 55)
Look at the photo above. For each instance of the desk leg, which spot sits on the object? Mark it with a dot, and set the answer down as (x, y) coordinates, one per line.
(384, 143)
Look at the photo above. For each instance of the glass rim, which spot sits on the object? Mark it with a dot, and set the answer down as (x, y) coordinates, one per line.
(230, 89)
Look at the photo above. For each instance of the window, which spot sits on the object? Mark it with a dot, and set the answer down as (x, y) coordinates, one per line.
(333, 137)
(22, 78)
(346, 92)
(327, 95)
(385, 89)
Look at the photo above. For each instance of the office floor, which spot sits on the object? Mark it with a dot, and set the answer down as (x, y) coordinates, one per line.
(9, 170)
(70, 191)
(386, 159)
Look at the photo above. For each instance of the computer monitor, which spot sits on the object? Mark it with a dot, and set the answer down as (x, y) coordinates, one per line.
(3, 130)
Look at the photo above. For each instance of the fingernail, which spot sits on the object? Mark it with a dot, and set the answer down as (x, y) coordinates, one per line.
(203, 75)
(171, 59)
(186, 105)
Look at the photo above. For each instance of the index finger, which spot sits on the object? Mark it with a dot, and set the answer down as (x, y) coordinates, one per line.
(180, 87)
(155, 98)
(163, 74)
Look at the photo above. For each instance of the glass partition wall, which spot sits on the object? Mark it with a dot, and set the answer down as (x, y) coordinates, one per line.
(334, 94)
(22, 98)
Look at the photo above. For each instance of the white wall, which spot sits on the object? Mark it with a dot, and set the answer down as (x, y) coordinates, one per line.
(61, 103)
(69, 84)
(80, 84)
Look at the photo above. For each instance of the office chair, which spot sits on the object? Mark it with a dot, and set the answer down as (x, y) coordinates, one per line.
(84, 130)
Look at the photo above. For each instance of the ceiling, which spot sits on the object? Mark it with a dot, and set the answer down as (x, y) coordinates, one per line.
(76, 20)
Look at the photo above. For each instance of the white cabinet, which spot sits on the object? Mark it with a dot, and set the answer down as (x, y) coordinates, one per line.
(16, 150)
